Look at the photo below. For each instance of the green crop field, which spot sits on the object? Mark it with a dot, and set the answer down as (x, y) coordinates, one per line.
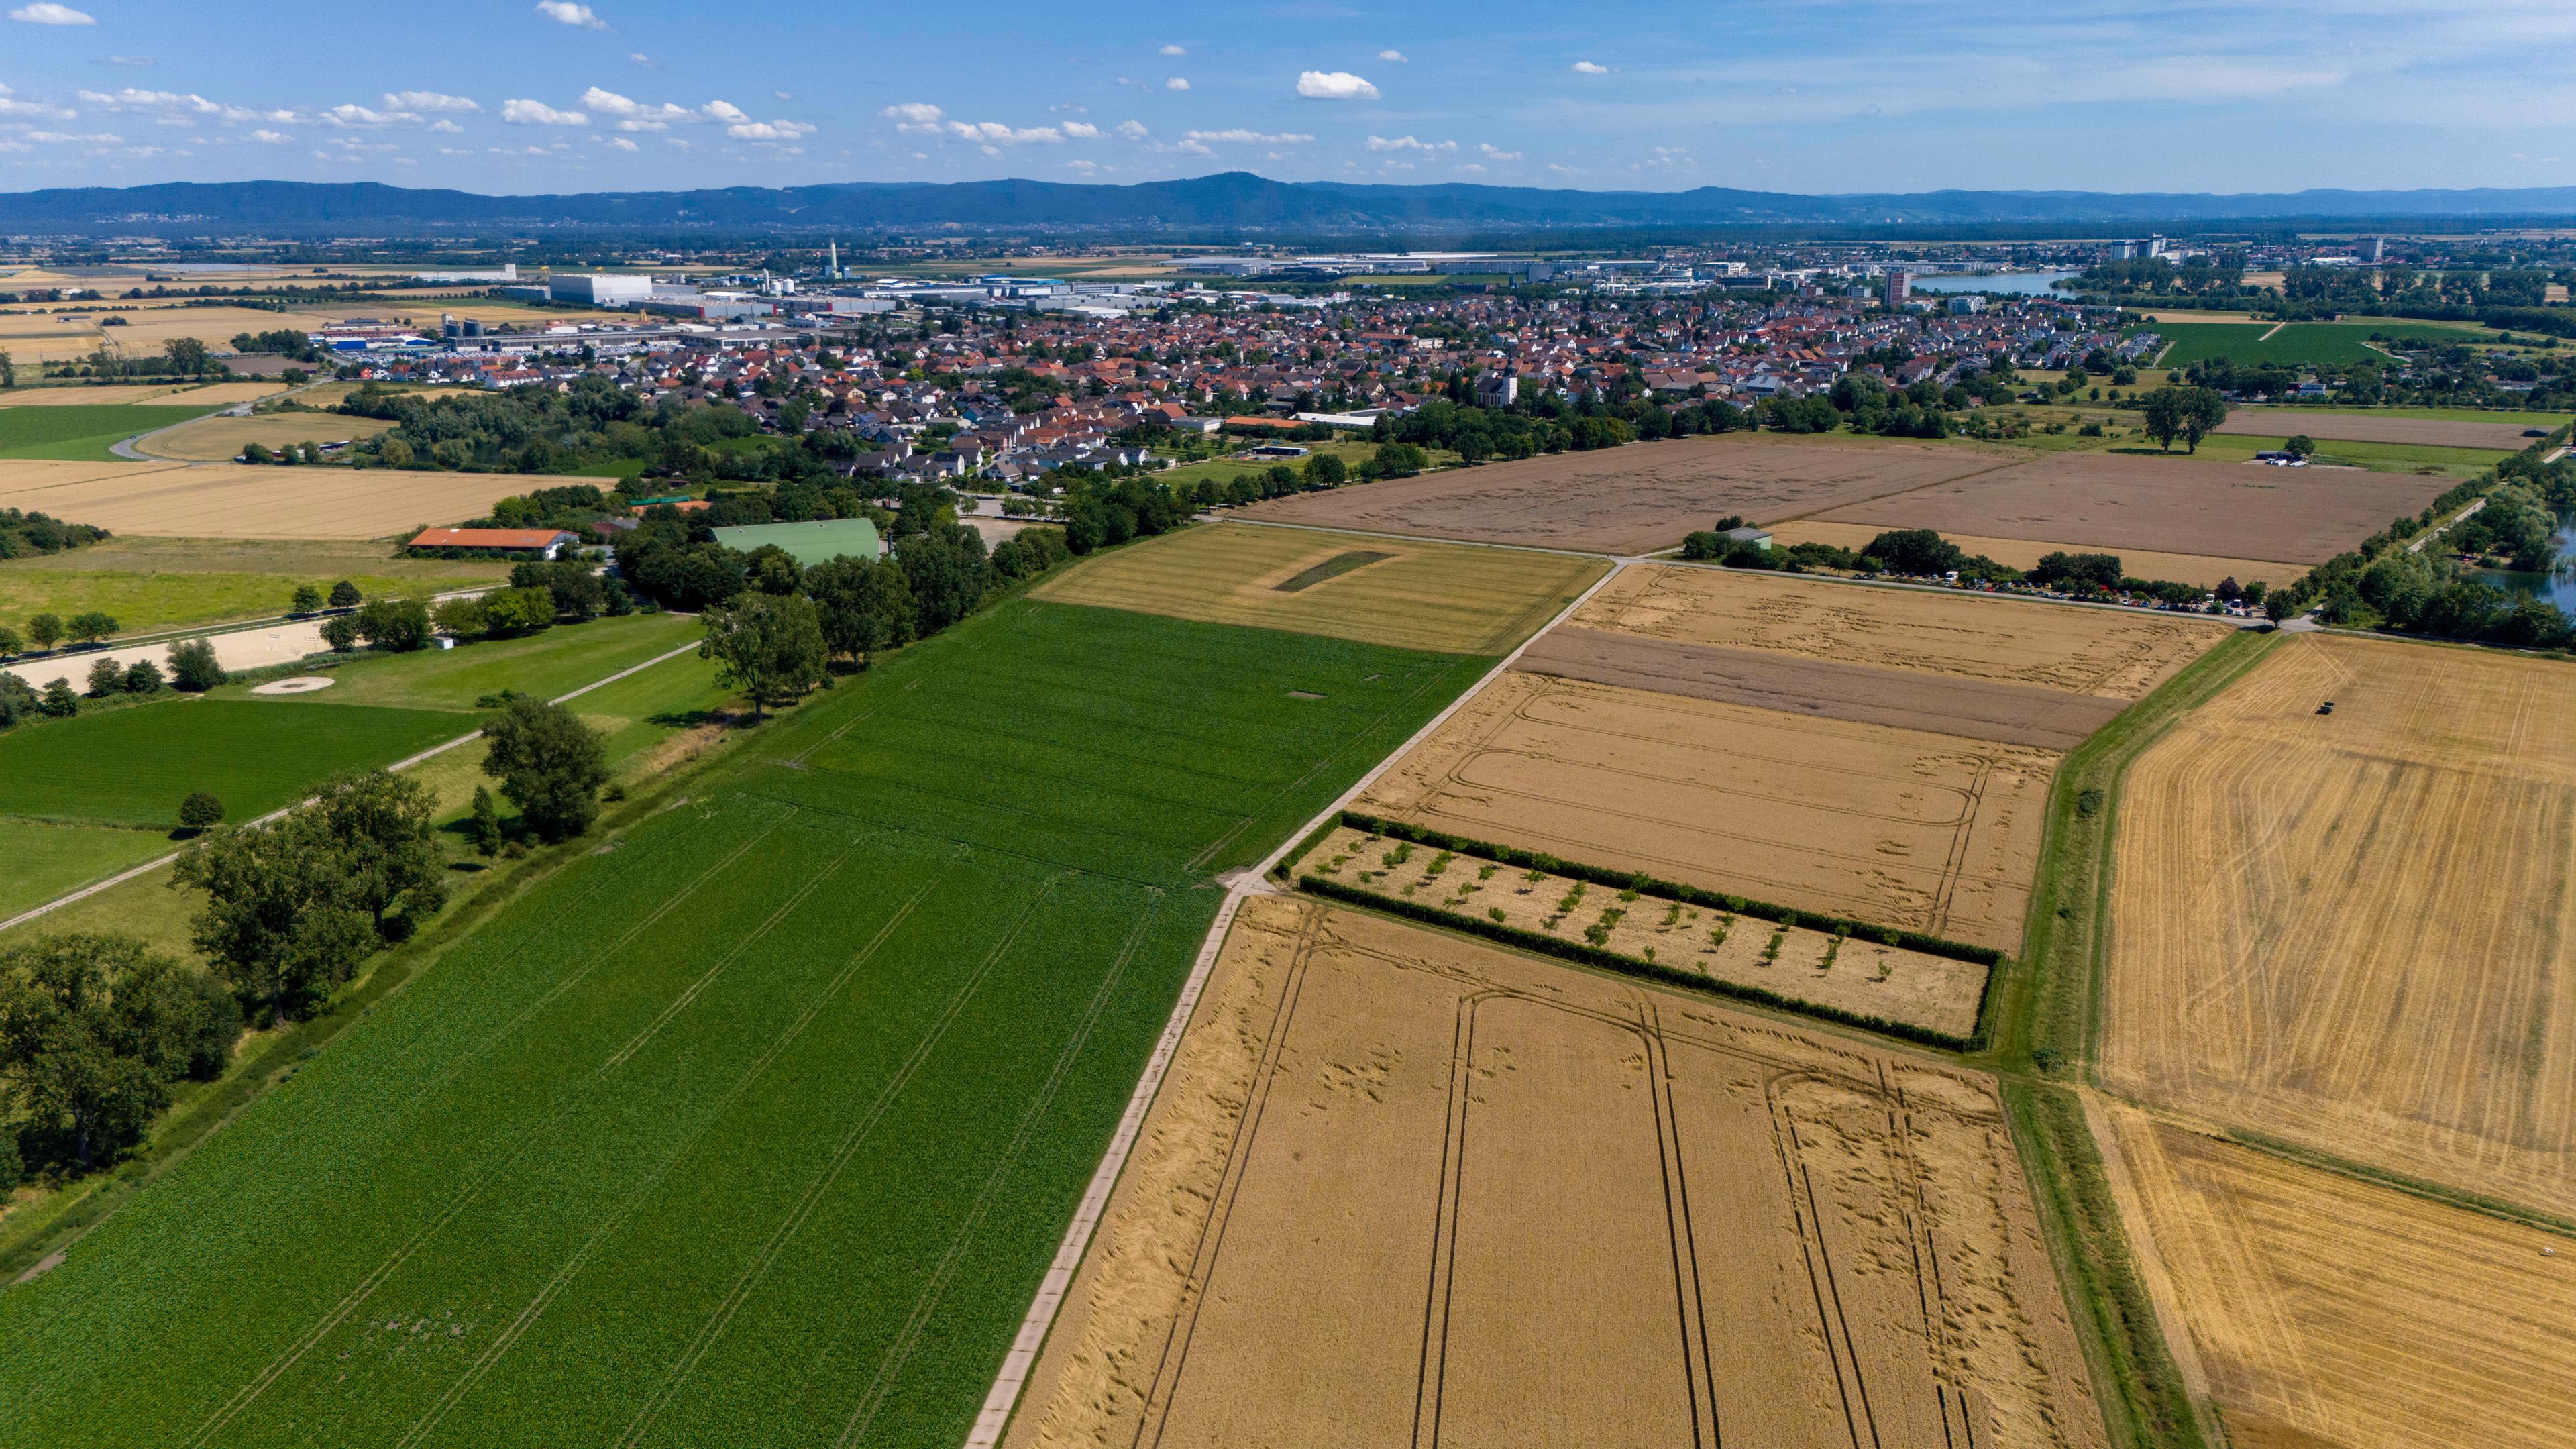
(2293, 344)
(759, 1123)
(133, 766)
(83, 431)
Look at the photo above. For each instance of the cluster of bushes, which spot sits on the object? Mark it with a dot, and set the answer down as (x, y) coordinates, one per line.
(192, 669)
(26, 534)
(1924, 553)
(1100, 512)
(96, 1031)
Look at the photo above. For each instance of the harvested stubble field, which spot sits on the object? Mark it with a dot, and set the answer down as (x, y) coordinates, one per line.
(756, 1122)
(2205, 570)
(1859, 977)
(1401, 1187)
(1931, 832)
(2375, 428)
(220, 439)
(1411, 595)
(173, 500)
(154, 393)
(2351, 931)
(2113, 502)
(2117, 656)
(2335, 1314)
(1635, 499)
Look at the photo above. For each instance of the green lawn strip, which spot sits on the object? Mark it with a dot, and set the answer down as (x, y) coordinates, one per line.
(615, 1106)
(142, 602)
(134, 766)
(83, 431)
(547, 663)
(44, 859)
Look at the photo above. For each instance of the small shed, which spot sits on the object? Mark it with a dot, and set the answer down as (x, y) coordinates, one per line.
(1759, 538)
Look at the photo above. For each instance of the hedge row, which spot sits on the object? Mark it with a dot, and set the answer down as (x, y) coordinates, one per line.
(1675, 891)
(1590, 955)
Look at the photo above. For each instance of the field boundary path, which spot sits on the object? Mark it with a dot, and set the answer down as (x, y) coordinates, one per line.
(1251, 880)
(149, 866)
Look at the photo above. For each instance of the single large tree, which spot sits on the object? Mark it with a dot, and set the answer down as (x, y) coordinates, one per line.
(381, 824)
(767, 645)
(550, 765)
(277, 921)
(95, 1029)
(864, 606)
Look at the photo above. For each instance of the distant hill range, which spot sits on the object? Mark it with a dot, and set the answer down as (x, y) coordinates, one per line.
(1229, 203)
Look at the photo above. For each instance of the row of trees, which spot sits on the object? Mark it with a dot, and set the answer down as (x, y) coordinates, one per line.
(193, 669)
(1924, 553)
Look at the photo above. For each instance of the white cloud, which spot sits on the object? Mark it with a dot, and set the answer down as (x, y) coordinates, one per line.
(446, 127)
(918, 113)
(1188, 148)
(49, 14)
(1174, 50)
(1585, 67)
(354, 114)
(1399, 57)
(1082, 130)
(1334, 85)
(637, 57)
(622, 144)
(1085, 167)
(10, 107)
(129, 60)
(271, 138)
(538, 113)
(1253, 138)
(634, 115)
(1132, 130)
(994, 133)
(1492, 152)
(52, 138)
(1565, 170)
(172, 103)
(563, 12)
(784, 95)
(1408, 143)
(1176, 83)
(769, 130)
(725, 111)
(428, 101)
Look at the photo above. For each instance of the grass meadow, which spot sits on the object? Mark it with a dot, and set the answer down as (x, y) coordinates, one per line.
(46, 859)
(133, 766)
(83, 432)
(166, 583)
(758, 1121)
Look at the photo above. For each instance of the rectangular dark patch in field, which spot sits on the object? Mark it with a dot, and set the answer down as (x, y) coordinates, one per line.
(1331, 568)
(2016, 714)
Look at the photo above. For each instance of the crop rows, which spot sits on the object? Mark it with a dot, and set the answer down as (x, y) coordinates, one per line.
(134, 766)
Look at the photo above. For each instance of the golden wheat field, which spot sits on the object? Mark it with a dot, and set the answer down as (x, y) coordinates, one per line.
(2352, 930)
(1405, 1188)
(1405, 592)
(177, 500)
(2205, 570)
(1864, 977)
(1894, 827)
(220, 439)
(2329, 1313)
(2118, 655)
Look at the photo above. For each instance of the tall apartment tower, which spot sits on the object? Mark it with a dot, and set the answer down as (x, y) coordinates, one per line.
(1899, 286)
(2372, 250)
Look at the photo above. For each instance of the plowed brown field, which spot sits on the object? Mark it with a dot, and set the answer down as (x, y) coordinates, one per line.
(2352, 930)
(1635, 499)
(2014, 641)
(2374, 428)
(1936, 833)
(1403, 1188)
(2335, 1314)
(2113, 503)
(1413, 595)
(172, 500)
(2205, 570)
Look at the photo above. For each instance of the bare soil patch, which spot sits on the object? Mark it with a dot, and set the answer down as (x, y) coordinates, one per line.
(1821, 688)
(2371, 428)
(2114, 502)
(1403, 1188)
(1630, 500)
(2352, 931)
(2207, 571)
(221, 501)
(1931, 832)
(2335, 1314)
(2000, 640)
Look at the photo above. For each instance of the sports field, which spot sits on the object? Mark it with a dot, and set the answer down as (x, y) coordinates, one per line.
(133, 766)
(2112, 503)
(1387, 591)
(219, 500)
(82, 433)
(756, 1123)
(2331, 1312)
(2206, 570)
(221, 439)
(1897, 827)
(1636, 499)
(2369, 955)
(1404, 1188)
(2006, 641)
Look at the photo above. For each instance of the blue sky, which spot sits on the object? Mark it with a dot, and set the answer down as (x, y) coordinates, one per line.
(1790, 95)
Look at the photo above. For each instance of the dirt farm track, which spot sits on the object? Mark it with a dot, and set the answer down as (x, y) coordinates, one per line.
(2352, 931)
(1404, 1188)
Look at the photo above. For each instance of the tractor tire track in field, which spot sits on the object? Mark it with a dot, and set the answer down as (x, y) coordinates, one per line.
(823, 1182)
(366, 1287)
(509, 1337)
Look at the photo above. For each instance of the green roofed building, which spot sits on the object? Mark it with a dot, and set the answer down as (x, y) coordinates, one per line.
(809, 543)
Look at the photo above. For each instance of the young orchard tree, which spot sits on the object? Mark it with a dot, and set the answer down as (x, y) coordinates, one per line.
(193, 666)
(485, 823)
(341, 632)
(768, 646)
(344, 595)
(308, 600)
(90, 627)
(46, 630)
(201, 811)
(550, 765)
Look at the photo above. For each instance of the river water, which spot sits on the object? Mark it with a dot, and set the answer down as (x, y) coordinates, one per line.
(2008, 284)
(2558, 585)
